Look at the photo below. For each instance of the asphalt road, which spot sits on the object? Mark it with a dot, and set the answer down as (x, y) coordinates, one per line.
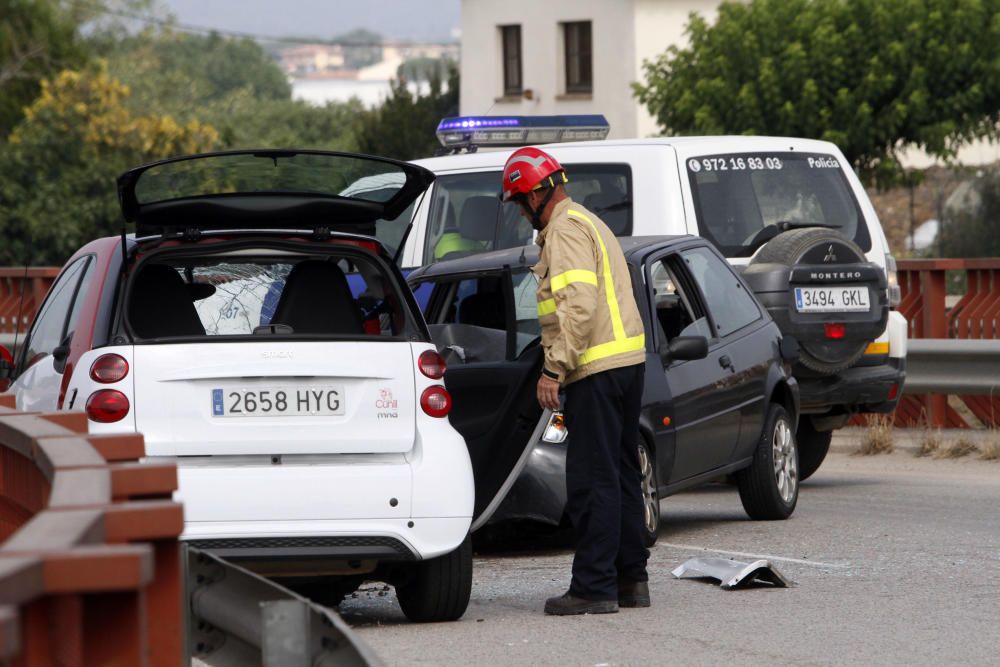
(897, 561)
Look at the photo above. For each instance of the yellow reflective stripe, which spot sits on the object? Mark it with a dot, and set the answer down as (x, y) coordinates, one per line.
(573, 276)
(546, 307)
(612, 348)
(609, 285)
(877, 348)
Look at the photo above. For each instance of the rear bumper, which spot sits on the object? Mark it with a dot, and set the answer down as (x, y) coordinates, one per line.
(857, 389)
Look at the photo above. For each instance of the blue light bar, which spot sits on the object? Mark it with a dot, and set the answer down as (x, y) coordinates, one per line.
(459, 132)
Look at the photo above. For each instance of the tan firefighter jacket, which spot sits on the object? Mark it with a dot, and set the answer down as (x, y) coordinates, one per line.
(589, 318)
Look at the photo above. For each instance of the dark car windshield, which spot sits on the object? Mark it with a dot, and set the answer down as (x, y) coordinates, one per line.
(736, 195)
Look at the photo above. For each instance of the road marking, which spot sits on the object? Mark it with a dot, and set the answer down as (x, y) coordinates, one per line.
(782, 559)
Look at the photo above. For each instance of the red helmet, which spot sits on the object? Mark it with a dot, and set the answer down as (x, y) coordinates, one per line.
(529, 169)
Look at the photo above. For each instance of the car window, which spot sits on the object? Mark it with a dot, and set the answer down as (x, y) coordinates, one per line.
(729, 303)
(466, 216)
(468, 316)
(262, 293)
(677, 314)
(738, 194)
(58, 315)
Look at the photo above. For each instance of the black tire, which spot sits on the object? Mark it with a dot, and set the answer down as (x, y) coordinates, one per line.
(802, 245)
(438, 589)
(650, 495)
(769, 488)
(813, 446)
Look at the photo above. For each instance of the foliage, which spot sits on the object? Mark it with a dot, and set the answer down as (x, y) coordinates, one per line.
(37, 38)
(424, 69)
(403, 126)
(973, 229)
(180, 73)
(869, 75)
(60, 164)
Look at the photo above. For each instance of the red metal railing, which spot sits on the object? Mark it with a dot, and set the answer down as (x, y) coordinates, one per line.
(976, 315)
(21, 293)
(90, 570)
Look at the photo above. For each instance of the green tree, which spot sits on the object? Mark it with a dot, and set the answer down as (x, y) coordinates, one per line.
(873, 76)
(971, 228)
(180, 73)
(403, 126)
(424, 69)
(57, 189)
(37, 38)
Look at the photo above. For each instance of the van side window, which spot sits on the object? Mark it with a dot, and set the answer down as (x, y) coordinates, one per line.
(466, 215)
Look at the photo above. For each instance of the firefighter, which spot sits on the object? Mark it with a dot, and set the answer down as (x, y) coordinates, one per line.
(595, 352)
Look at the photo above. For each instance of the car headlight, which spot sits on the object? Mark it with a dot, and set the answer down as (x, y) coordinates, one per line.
(892, 280)
(555, 431)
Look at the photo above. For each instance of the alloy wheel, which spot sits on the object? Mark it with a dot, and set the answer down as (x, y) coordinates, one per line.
(786, 467)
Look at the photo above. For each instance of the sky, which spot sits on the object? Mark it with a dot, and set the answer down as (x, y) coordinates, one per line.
(416, 20)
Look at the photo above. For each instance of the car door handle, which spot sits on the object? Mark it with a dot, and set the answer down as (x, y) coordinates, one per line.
(726, 362)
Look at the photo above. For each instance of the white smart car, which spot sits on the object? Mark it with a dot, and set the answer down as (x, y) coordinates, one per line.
(256, 332)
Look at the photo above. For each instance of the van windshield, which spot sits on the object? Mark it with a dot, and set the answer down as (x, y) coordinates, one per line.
(466, 216)
(736, 195)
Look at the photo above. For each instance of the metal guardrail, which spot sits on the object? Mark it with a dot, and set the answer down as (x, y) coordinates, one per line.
(950, 366)
(239, 618)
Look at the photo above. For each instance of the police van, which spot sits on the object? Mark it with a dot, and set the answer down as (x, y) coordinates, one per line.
(789, 213)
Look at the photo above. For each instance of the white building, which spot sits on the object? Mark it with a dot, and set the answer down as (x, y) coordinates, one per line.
(567, 56)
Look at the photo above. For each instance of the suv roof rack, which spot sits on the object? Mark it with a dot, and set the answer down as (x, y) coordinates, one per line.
(458, 133)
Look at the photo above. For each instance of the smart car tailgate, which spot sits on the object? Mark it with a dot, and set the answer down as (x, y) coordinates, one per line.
(275, 398)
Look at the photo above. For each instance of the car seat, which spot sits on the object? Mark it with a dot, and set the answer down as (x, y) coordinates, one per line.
(161, 305)
(318, 300)
(476, 225)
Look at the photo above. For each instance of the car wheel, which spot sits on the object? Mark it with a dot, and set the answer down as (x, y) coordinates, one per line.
(650, 495)
(438, 589)
(813, 446)
(769, 488)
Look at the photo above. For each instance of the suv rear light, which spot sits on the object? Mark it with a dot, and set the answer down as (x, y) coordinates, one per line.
(436, 401)
(109, 368)
(432, 364)
(107, 406)
(835, 331)
(892, 281)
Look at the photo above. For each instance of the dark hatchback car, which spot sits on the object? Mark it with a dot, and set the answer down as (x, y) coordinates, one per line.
(719, 396)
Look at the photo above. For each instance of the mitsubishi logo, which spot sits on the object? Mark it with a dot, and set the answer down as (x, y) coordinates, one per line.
(830, 257)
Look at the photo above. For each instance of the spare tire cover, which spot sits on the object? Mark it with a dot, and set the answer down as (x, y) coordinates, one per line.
(826, 247)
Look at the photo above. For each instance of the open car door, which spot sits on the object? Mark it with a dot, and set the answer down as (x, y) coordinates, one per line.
(485, 325)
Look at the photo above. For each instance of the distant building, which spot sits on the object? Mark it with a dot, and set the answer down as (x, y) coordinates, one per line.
(567, 56)
(311, 58)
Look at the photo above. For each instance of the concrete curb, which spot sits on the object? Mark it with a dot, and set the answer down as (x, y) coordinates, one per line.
(909, 440)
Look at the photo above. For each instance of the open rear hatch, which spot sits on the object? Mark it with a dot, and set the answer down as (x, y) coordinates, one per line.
(270, 189)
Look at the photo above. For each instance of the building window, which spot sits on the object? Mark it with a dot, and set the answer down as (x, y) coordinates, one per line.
(511, 39)
(579, 59)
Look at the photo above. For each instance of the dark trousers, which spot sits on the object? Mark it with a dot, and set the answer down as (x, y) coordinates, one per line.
(603, 483)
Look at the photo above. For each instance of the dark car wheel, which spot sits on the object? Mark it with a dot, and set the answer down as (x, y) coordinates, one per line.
(769, 488)
(813, 446)
(438, 589)
(650, 495)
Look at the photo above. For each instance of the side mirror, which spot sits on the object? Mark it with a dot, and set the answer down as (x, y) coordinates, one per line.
(61, 354)
(688, 347)
(788, 347)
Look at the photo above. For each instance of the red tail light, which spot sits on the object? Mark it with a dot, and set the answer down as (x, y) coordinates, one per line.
(436, 401)
(109, 368)
(432, 365)
(893, 391)
(107, 406)
(835, 331)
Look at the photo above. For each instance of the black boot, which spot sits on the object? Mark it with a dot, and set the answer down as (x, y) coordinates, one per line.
(568, 605)
(633, 594)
